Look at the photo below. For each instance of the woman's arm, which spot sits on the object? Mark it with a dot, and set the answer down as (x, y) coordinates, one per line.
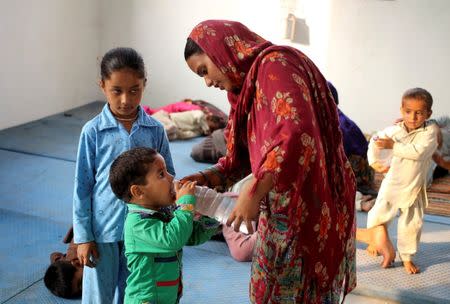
(210, 177)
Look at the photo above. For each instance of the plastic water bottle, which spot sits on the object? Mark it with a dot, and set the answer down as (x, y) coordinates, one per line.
(382, 156)
(216, 205)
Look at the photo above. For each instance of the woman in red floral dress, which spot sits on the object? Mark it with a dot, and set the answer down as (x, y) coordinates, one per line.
(283, 128)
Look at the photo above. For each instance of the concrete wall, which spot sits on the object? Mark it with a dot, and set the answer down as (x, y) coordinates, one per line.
(372, 50)
(158, 30)
(378, 49)
(48, 57)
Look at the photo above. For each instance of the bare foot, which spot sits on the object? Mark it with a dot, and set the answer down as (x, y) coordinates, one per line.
(367, 205)
(371, 250)
(377, 238)
(383, 245)
(410, 267)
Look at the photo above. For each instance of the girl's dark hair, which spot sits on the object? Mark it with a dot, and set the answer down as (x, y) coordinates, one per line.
(191, 48)
(130, 168)
(121, 58)
(58, 279)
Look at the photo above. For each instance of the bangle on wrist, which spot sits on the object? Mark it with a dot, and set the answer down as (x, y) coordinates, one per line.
(219, 174)
(205, 178)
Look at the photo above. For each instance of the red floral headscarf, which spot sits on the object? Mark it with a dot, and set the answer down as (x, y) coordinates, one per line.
(284, 121)
(231, 52)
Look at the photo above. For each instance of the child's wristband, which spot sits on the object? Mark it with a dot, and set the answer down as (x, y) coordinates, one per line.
(186, 202)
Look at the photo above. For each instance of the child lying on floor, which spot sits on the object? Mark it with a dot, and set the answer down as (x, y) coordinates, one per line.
(188, 118)
(187, 124)
(64, 276)
(239, 243)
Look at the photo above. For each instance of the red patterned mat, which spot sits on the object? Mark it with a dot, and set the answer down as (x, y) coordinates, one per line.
(441, 185)
(438, 195)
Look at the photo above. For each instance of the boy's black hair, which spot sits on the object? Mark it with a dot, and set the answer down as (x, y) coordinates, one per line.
(130, 168)
(191, 48)
(58, 279)
(121, 58)
(420, 94)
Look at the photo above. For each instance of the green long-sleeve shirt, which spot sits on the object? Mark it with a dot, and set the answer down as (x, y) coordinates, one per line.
(153, 248)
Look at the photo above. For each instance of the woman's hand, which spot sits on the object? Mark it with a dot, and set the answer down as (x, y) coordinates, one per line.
(196, 177)
(186, 188)
(85, 251)
(247, 205)
(246, 210)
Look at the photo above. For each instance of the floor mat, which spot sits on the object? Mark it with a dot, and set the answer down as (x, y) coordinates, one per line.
(27, 242)
(438, 195)
(215, 247)
(214, 278)
(433, 258)
(54, 136)
(36, 186)
(207, 278)
(182, 161)
(57, 137)
(36, 189)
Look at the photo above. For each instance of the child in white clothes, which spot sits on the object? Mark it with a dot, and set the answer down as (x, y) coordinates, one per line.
(187, 124)
(412, 143)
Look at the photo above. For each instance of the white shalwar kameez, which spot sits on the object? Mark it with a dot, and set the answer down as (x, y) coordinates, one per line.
(404, 185)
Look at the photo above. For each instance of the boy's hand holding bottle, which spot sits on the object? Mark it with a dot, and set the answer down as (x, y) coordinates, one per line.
(186, 188)
(384, 143)
(185, 195)
(382, 153)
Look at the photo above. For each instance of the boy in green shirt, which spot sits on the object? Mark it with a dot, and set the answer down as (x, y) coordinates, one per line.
(155, 228)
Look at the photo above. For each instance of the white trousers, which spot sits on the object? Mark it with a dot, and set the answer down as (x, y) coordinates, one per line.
(409, 227)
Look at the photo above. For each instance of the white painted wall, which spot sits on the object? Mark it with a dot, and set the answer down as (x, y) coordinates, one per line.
(158, 30)
(372, 50)
(378, 49)
(47, 57)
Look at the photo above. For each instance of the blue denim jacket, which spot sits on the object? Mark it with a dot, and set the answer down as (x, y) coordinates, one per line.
(97, 214)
